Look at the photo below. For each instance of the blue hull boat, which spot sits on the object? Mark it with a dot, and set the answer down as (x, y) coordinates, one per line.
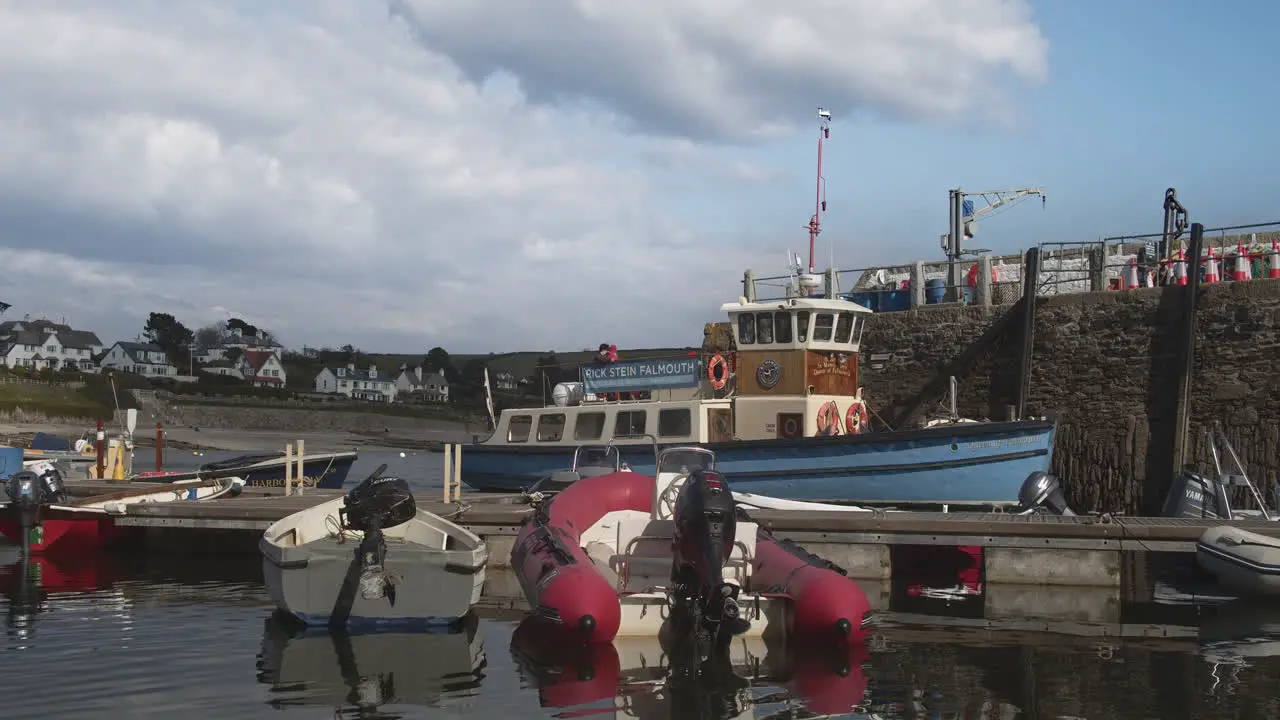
(959, 464)
(327, 471)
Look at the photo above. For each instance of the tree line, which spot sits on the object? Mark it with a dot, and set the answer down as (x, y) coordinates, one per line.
(180, 342)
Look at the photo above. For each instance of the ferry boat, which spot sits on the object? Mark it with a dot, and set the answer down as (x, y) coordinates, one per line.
(784, 415)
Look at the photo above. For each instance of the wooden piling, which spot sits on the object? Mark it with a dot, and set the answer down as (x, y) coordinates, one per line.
(1187, 356)
(301, 474)
(159, 447)
(1030, 279)
(288, 469)
(101, 446)
(448, 465)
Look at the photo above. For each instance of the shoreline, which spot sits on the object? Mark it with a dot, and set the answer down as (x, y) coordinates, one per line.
(215, 439)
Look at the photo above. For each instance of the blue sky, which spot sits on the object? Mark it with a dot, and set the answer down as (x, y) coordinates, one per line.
(1140, 96)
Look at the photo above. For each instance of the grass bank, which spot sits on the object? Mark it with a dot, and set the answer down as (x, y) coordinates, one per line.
(53, 400)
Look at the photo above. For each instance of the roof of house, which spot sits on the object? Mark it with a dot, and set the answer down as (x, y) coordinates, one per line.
(256, 359)
(135, 352)
(433, 379)
(360, 374)
(33, 334)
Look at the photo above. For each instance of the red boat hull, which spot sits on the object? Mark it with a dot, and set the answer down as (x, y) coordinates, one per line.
(64, 531)
(571, 597)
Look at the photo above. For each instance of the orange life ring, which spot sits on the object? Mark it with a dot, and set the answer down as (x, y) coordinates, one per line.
(855, 419)
(829, 419)
(717, 361)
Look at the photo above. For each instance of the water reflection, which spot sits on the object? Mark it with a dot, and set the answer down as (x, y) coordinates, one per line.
(359, 674)
(641, 677)
(33, 585)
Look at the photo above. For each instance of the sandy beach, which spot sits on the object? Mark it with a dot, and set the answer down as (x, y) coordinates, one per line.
(255, 440)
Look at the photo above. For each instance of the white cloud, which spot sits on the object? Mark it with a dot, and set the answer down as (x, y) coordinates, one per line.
(343, 172)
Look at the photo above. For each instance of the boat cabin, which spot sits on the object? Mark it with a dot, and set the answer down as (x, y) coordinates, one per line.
(623, 422)
(797, 367)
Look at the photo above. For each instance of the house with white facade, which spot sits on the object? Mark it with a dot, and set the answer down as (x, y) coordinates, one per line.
(237, 340)
(262, 368)
(423, 385)
(41, 344)
(357, 383)
(145, 359)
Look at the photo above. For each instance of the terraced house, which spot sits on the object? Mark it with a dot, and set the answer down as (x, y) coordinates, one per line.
(41, 344)
(140, 358)
(357, 383)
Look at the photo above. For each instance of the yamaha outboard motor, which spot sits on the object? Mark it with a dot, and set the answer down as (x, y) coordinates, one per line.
(1043, 492)
(704, 538)
(1193, 495)
(376, 503)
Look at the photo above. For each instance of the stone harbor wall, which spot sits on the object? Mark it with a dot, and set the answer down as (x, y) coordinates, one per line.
(1105, 365)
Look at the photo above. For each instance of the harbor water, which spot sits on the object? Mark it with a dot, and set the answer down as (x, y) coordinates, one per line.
(166, 636)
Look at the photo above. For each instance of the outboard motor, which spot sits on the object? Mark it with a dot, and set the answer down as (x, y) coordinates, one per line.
(704, 687)
(1193, 495)
(1042, 491)
(704, 538)
(23, 490)
(373, 505)
(53, 490)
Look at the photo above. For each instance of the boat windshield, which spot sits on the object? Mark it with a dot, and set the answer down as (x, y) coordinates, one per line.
(596, 456)
(686, 460)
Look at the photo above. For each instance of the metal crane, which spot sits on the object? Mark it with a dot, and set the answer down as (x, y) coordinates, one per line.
(964, 216)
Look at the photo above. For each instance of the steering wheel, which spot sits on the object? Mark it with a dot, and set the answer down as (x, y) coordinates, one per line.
(667, 500)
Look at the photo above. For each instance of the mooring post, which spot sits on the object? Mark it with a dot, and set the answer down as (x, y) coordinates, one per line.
(917, 284)
(288, 469)
(457, 472)
(1097, 268)
(1030, 279)
(301, 475)
(447, 477)
(101, 446)
(1190, 305)
(749, 285)
(159, 447)
(984, 287)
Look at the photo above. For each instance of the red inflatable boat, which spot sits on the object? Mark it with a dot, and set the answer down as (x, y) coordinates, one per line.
(593, 562)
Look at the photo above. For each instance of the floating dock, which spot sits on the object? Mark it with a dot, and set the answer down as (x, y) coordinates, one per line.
(1020, 549)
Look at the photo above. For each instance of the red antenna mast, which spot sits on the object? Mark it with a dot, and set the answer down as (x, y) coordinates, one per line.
(820, 193)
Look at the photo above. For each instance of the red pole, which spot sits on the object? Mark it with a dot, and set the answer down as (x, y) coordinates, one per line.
(159, 447)
(102, 450)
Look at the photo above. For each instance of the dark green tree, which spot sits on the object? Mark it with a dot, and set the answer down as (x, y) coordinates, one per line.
(436, 359)
(164, 330)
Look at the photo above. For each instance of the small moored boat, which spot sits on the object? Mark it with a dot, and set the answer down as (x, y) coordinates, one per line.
(41, 518)
(1243, 561)
(327, 471)
(373, 557)
(611, 554)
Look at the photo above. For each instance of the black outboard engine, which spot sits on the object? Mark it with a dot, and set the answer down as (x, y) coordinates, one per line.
(703, 686)
(1042, 491)
(53, 490)
(705, 533)
(376, 503)
(23, 490)
(1193, 495)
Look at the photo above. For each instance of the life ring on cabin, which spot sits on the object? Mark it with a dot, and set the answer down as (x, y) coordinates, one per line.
(829, 419)
(855, 419)
(791, 427)
(718, 361)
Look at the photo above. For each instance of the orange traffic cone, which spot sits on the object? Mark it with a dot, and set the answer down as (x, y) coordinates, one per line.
(1273, 267)
(1180, 267)
(1211, 267)
(1129, 278)
(1242, 270)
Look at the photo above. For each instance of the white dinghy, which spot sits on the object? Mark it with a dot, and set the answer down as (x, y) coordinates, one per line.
(373, 557)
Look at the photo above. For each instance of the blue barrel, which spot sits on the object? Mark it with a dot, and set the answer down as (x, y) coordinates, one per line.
(868, 300)
(935, 291)
(10, 461)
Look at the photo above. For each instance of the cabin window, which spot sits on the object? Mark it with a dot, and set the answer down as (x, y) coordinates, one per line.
(589, 426)
(782, 327)
(518, 428)
(746, 328)
(630, 422)
(551, 427)
(844, 327)
(802, 325)
(822, 326)
(675, 422)
(764, 328)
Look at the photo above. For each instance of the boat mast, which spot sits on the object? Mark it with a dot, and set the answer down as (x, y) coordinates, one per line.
(820, 190)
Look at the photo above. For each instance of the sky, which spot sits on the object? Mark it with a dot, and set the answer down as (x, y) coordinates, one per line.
(493, 175)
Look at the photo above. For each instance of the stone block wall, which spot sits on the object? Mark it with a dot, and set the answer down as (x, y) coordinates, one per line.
(1105, 365)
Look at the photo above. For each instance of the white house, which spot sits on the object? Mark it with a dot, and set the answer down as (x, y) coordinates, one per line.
(503, 380)
(40, 344)
(430, 386)
(141, 358)
(262, 368)
(357, 383)
(238, 340)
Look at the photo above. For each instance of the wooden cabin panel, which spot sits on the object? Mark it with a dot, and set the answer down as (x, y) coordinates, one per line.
(832, 373)
(790, 362)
